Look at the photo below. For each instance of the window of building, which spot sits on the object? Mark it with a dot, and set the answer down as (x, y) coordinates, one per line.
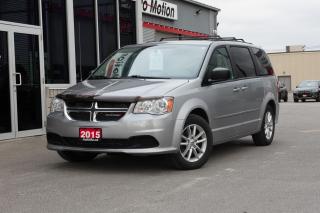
(55, 41)
(127, 16)
(243, 62)
(21, 11)
(107, 27)
(85, 37)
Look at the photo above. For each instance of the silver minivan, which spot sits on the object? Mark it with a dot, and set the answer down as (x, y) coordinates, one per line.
(177, 98)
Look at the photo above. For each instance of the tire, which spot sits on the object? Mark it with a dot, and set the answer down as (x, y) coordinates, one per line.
(286, 98)
(265, 136)
(73, 156)
(193, 154)
(295, 100)
(303, 100)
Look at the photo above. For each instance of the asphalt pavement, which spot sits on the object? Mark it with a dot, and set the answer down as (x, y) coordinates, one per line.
(239, 177)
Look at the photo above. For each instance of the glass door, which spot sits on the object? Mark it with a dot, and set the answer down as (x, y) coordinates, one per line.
(28, 83)
(6, 112)
(21, 82)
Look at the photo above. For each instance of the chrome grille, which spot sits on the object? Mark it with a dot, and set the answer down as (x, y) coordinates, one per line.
(95, 111)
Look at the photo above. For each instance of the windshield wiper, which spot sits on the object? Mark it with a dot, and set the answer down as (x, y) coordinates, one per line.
(99, 77)
(147, 77)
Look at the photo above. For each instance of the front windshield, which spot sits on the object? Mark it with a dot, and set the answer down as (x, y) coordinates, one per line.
(158, 61)
(308, 84)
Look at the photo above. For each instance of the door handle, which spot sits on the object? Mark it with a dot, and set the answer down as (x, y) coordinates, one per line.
(236, 89)
(20, 79)
(244, 88)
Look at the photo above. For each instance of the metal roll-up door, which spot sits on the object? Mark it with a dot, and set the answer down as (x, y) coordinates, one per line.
(148, 35)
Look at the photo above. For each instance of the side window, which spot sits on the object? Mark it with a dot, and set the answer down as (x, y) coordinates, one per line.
(264, 64)
(243, 62)
(220, 58)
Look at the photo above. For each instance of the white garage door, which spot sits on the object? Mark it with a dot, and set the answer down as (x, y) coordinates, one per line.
(286, 80)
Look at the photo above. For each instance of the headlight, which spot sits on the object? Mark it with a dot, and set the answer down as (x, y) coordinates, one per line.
(57, 105)
(154, 106)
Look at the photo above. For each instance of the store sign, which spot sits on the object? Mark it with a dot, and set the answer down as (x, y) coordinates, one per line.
(160, 8)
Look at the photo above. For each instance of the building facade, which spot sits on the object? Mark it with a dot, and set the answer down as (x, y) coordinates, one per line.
(294, 67)
(47, 46)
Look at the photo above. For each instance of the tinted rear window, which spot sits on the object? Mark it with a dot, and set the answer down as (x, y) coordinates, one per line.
(243, 61)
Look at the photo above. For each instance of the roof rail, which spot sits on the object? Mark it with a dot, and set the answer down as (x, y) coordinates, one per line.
(213, 38)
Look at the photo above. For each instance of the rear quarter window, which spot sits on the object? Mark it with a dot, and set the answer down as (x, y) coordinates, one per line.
(263, 62)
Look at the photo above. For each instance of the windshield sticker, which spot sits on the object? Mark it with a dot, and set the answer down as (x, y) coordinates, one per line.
(116, 65)
(156, 60)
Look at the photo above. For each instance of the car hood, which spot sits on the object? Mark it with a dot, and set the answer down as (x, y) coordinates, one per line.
(121, 89)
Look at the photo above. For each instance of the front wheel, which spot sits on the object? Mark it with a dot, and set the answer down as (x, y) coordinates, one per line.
(195, 144)
(265, 136)
(73, 156)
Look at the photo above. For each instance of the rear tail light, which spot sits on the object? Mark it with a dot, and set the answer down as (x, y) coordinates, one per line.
(270, 71)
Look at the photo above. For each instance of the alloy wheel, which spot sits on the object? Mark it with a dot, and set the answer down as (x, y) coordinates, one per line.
(193, 143)
(268, 125)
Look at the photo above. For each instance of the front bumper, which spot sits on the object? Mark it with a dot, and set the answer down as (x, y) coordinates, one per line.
(308, 95)
(147, 151)
(160, 128)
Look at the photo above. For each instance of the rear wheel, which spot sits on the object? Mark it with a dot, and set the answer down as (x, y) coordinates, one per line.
(195, 144)
(265, 136)
(286, 98)
(295, 100)
(73, 156)
(303, 100)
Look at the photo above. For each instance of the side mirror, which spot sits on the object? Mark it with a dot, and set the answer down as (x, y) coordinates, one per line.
(219, 74)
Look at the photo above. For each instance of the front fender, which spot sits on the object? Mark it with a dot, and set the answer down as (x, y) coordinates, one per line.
(184, 111)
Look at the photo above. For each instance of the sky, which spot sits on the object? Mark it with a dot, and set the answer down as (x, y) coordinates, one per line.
(270, 24)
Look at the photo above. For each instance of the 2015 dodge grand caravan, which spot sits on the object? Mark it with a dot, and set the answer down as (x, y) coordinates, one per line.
(171, 97)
